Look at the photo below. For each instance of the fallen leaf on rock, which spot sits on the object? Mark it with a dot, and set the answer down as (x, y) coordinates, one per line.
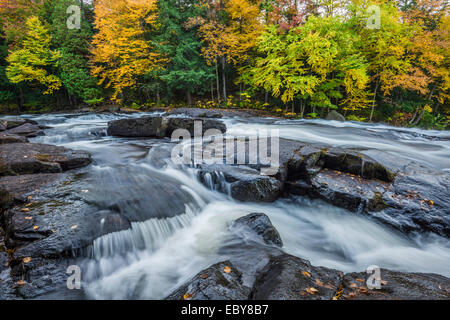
(35, 227)
(384, 282)
(227, 269)
(319, 283)
(360, 280)
(27, 260)
(306, 274)
(28, 218)
(303, 293)
(74, 227)
(20, 282)
(29, 198)
(311, 290)
(353, 285)
(188, 296)
(25, 210)
(204, 276)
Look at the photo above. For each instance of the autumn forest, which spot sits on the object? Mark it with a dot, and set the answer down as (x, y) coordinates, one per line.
(370, 60)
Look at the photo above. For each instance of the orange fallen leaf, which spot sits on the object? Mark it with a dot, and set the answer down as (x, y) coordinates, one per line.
(384, 282)
(29, 198)
(353, 285)
(204, 276)
(20, 282)
(306, 274)
(227, 269)
(360, 280)
(28, 218)
(311, 290)
(35, 227)
(25, 210)
(26, 260)
(319, 283)
(188, 296)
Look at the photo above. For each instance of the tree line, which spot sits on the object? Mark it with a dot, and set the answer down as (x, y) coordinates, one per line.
(385, 60)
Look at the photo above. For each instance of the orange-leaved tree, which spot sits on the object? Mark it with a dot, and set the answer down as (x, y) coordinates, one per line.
(121, 52)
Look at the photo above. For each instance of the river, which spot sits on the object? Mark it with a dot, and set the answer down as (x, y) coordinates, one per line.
(160, 253)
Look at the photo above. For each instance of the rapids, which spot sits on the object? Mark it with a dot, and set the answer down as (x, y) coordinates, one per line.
(156, 255)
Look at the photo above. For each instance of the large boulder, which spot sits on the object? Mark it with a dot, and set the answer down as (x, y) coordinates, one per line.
(334, 115)
(241, 182)
(28, 158)
(159, 127)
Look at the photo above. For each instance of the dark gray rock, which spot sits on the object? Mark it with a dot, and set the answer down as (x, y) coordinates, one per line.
(11, 138)
(261, 225)
(28, 130)
(28, 158)
(286, 277)
(3, 125)
(215, 283)
(241, 182)
(334, 115)
(396, 286)
(159, 127)
(18, 122)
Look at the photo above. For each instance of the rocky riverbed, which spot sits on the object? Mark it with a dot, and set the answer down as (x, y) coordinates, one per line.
(101, 192)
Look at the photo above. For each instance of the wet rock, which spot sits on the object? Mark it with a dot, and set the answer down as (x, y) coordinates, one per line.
(286, 277)
(19, 187)
(28, 130)
(28, 158)
(334, 115)
(3, 125)
(343, 190)
(159, 126)
(261, 225)
(241, 182)
(11, 138)
(221, 281)
(19, 122)
(396, 286)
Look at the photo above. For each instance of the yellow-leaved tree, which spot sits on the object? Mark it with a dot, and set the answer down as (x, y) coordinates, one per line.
(121, 53)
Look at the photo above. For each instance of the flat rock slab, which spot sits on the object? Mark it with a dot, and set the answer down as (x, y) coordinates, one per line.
(20, 187)
(27, 130)
(396, 286)
(11, 138)
(29, 158)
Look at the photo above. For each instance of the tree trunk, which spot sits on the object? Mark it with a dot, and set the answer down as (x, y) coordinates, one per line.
(302, 108)
(212, 91)
(20, 101)
(224, 81)
(217, 83)
(416, 122)
(189, 98)
(158, 98)
(374, 100)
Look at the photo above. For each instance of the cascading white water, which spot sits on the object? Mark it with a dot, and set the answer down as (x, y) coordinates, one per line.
(157, 255)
